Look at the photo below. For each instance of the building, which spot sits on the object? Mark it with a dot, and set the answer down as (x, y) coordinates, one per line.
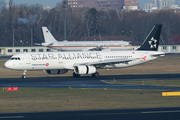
(130, 3)
(103, 4)
(161, 4)
(149, 7)
(166, 3)
(155, 3)
(20, 49)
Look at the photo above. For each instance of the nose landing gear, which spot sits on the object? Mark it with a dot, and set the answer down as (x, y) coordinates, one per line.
(24, 74)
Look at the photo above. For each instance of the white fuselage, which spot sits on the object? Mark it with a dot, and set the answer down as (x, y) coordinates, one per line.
(67, 60)
(89, 45)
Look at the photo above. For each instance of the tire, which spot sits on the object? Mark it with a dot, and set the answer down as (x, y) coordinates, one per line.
(23, 76)
(95, 74)
(75, 75)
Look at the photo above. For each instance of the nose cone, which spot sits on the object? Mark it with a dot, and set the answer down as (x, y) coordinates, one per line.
(8, 64)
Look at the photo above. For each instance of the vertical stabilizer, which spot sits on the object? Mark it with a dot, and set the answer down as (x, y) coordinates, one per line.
(48, 36)
(151, 42)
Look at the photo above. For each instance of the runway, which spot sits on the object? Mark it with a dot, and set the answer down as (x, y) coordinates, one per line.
(119, 114)
(90, 82)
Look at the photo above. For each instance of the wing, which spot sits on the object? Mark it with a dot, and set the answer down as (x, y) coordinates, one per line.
(46, 44)
(107, 62)
(98, 48)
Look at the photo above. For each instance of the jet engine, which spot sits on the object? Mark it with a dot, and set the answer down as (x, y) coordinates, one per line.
(56, 71)
(84, 69)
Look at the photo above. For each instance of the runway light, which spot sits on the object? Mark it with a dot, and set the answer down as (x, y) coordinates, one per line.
(143, 82)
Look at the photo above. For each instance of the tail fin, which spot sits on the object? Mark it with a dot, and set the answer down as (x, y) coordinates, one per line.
(151, 42)
(48, 36)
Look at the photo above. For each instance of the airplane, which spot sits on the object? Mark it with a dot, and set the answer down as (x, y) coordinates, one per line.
(87, 62)
(65, 45)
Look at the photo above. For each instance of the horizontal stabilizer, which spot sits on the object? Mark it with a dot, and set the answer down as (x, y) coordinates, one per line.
(38, 44)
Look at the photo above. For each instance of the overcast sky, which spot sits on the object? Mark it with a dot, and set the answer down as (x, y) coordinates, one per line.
(52, 3)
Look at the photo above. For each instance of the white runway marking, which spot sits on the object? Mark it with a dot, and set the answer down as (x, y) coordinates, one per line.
(7, 117)
(161, 112)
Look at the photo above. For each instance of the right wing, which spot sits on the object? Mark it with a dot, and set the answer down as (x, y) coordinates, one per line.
(107, 62)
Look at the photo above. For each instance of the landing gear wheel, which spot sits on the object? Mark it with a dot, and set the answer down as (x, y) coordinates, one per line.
(75, 75)
(23, 76)
(95, 74)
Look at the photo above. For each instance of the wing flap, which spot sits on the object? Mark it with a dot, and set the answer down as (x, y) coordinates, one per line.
(159, 54)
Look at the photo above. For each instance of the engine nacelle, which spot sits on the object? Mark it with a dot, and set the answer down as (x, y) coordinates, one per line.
(84, 69)
(56, 71)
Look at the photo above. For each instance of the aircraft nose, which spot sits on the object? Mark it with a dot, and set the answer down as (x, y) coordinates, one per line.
(7, 64)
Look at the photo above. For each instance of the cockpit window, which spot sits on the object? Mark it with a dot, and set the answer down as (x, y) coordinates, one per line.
(15, 58)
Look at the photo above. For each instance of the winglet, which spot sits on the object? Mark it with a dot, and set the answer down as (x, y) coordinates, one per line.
(151, 42)
(48, 37)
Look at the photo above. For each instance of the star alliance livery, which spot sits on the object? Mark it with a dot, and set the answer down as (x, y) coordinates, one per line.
(65, 45)
(87, 62)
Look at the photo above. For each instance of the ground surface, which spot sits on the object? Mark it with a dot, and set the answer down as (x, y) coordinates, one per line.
(58, 99)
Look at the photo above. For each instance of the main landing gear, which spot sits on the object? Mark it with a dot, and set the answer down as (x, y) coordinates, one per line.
(76, 75)
(24, 74)
(96, 74)
(93, 75)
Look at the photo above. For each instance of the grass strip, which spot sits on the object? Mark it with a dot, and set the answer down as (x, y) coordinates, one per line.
(60, 99)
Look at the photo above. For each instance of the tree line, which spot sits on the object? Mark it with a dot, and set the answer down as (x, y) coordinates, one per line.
(18, 21)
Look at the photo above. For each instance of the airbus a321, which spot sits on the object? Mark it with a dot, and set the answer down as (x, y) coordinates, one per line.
(87, 62)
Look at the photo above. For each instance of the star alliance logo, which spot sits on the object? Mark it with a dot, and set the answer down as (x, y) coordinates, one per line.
(152, 43)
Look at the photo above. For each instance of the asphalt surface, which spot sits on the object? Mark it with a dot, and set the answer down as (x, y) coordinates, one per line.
(90, 82)
(120, 114)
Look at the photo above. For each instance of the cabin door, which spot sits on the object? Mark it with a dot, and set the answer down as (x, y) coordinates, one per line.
(28, 60)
